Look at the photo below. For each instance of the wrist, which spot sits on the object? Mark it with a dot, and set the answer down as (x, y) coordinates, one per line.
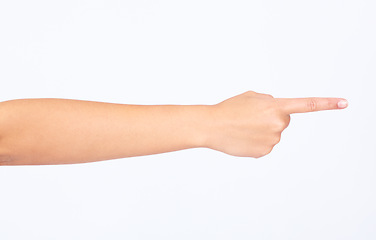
(202, 123)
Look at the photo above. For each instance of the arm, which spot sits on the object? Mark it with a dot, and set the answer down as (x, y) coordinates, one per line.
(65, 131)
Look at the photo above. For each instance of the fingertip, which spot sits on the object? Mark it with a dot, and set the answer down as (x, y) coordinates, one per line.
(343, 104)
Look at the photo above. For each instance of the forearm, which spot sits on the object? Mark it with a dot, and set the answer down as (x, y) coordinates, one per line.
(65, 131)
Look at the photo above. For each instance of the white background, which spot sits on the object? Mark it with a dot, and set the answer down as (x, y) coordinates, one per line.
(318, 183)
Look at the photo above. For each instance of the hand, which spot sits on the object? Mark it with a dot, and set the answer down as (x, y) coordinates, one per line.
(251, 124)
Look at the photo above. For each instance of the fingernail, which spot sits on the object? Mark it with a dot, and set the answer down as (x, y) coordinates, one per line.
(343, 104)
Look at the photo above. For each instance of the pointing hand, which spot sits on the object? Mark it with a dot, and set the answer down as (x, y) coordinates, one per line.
(251, 124)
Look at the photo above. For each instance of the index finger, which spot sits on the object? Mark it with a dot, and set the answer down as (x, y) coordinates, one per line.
(313, 104)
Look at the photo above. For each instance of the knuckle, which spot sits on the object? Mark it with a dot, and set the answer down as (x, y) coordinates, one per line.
(264, 153)
(250, 92)
(287, 121)
(312, 104)
(267, 151)
(277, 139)
(279, 125)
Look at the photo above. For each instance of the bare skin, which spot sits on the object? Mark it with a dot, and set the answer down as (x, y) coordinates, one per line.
(65, 131)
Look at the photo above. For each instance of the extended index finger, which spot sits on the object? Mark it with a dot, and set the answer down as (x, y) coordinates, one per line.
(313, 104)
